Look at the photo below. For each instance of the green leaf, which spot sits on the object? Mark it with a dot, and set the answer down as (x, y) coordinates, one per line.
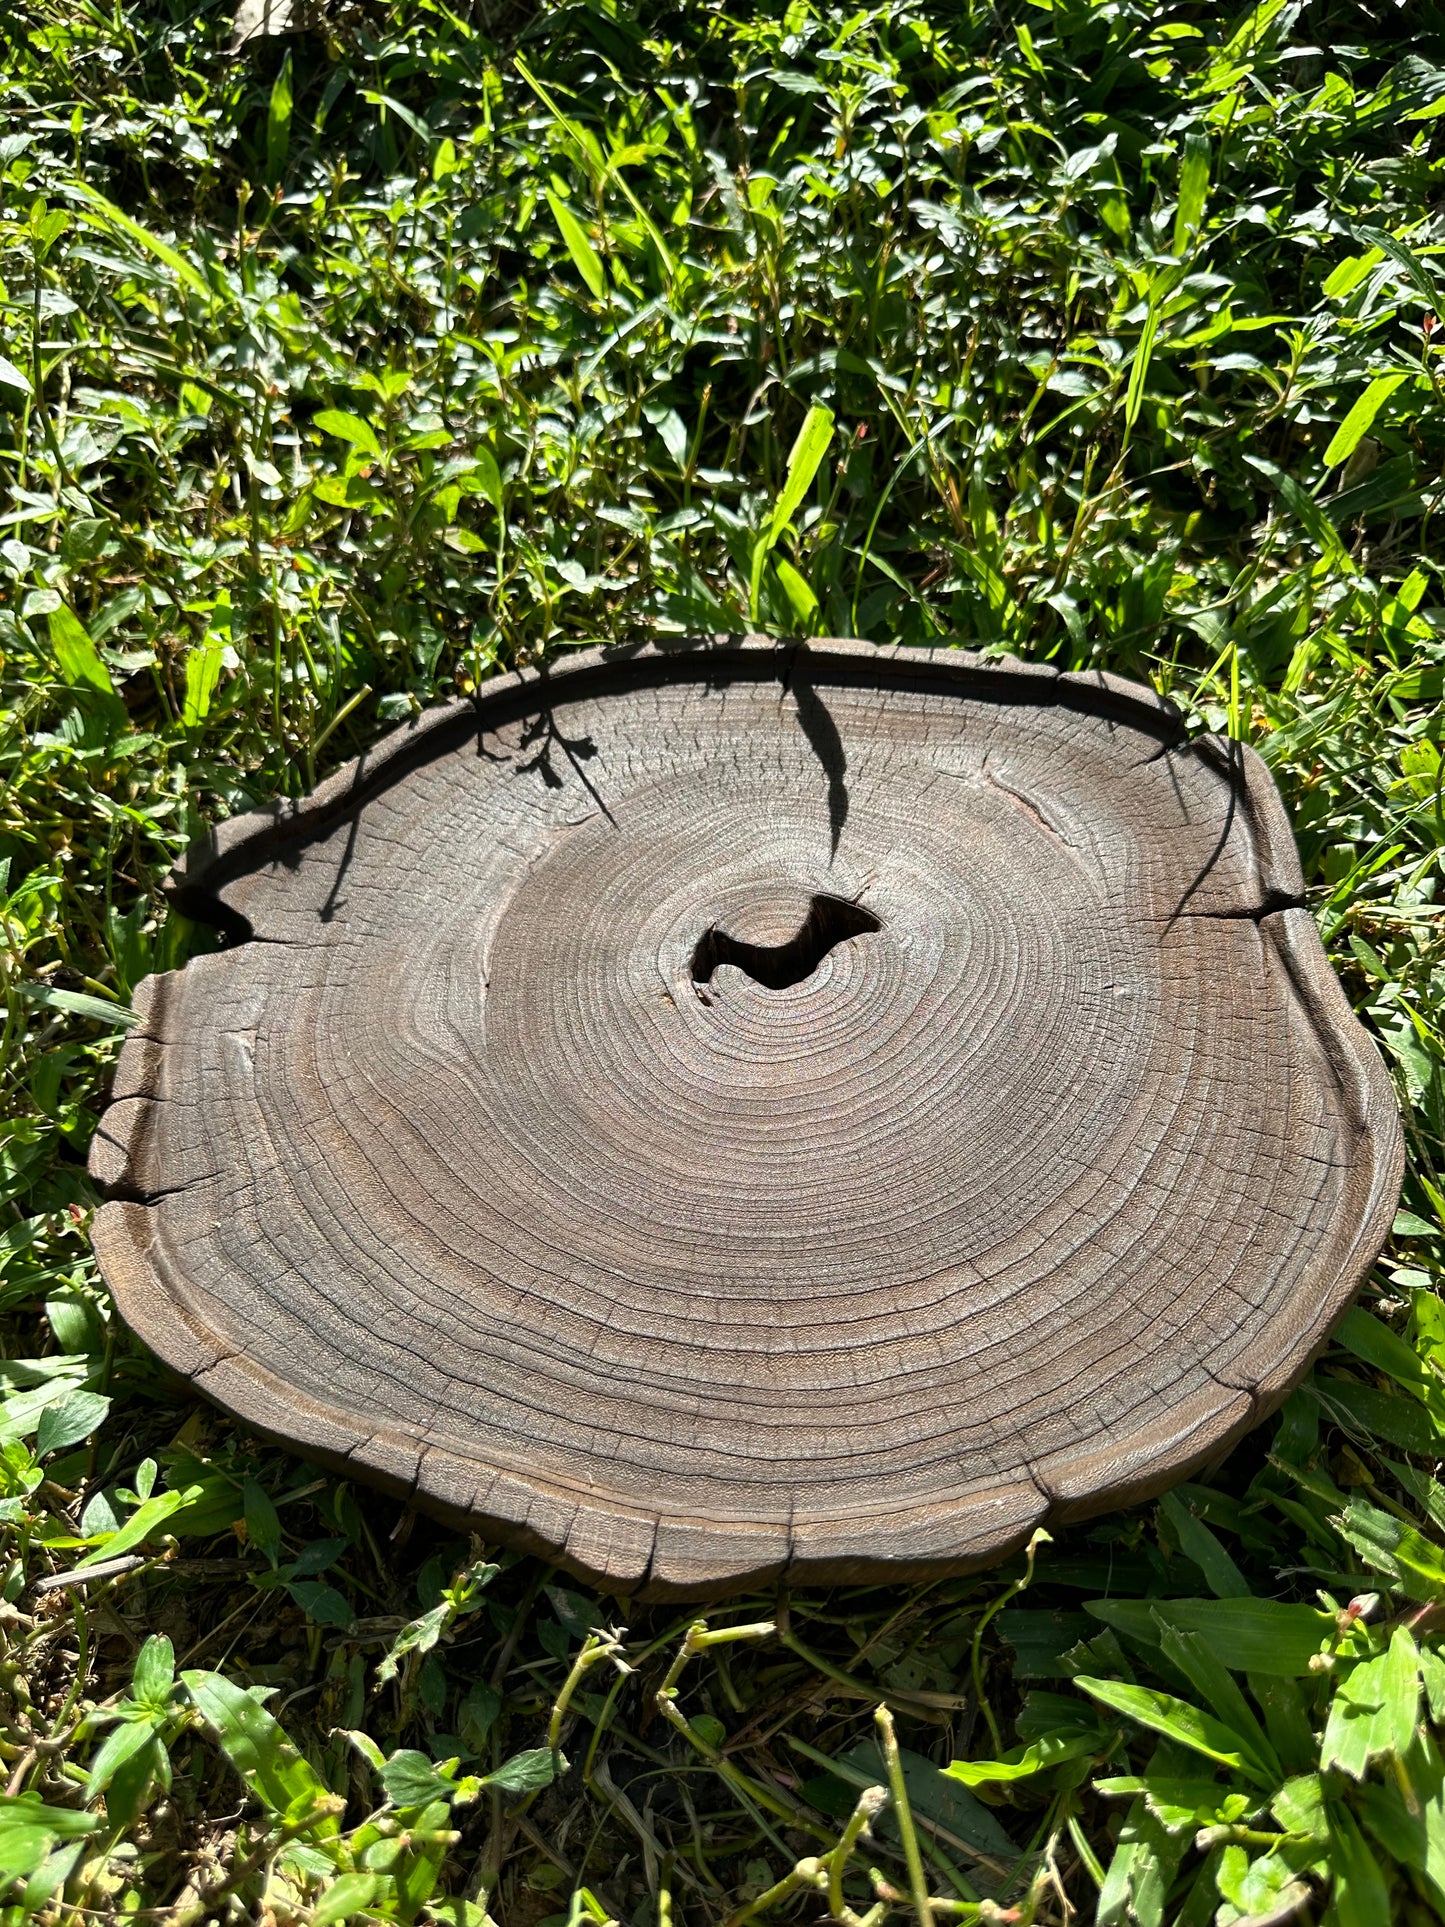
(1176, 1720)
(155, 1670)
(1026, 48)
(1175, 1802)
(48, 1879)
(1247, 1635)
(73, 1322)
(411, 1780)
(526, 1772)
(348, 1894)
(419, 1637)
(1284, 1706)
(1409, 1224)
(278, 123)
(365, 1746)
(70, 1421)
(106, 214)
(801, 599)
(416, 1873)
(1299, 1806)
(1398, 1421)
(1249, 32)
(29, 1829)
(1412, 1563)
(28, 1809)
(1417, 273)
(1348, 274)
(1306, 511)
(1023, 1761)
(574, 236)
(203, 663)
(80, 1004)
(1262, 1887)
(20, 1412)
(75, 652)
(48, 229)
(264, 471)
(317, 1555)
(256, 1744)
(479, 1712)
(121, 1744)
(1220, 1691)
(1411, 1828)
(403, 113)
(145, 1520)
(263, 1522)
(1193, 187)
(1041, 1639)
(323, 1603)
(1198, 1543)
(804, 458)
(930, 1790)
(353, 491)
(1372, 1340)
(1401, 1689)
(1356, 425)
(1139, 365)
(453, 1911)
(589, 152)
(13, 377)
(350, 428)
(488, 476)
(1373, 1712)
(1360, 1894)
(1141, 1871)
(1432, 1674)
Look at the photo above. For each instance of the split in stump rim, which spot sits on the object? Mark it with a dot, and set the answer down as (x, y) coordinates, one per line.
(725, 1109)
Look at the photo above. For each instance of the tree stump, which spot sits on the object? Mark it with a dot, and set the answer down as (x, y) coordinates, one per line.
(715, 1111)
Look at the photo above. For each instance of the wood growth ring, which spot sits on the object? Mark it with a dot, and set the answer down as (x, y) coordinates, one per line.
(727, 1109)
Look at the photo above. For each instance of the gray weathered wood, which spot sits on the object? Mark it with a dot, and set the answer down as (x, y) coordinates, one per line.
(719, 1110)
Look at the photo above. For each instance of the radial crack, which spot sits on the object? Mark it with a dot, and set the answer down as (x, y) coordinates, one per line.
(1274, 901)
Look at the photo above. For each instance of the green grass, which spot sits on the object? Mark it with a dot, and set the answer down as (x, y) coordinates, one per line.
(340, 373)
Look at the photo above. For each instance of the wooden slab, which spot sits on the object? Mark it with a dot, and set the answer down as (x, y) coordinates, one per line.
(727, 1110)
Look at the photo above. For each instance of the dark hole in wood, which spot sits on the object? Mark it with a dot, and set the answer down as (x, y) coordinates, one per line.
(830, 920)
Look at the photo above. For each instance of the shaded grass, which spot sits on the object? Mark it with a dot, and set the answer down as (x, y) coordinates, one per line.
(338, 375)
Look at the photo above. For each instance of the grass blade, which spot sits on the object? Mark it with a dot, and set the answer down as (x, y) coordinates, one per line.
(804, 459)
(75, 652)
(203, 663)
(106, 214)
(278, 123)
(1356, 425)
(574, 238)
(1193, 187)
(1139, 366)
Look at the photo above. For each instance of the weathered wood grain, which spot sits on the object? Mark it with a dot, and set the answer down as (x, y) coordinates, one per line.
(729, 1109)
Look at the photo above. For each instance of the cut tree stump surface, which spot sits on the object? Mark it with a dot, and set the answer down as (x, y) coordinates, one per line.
(727, 1109)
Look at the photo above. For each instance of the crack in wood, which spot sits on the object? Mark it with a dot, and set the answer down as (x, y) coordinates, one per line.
(829, 922)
